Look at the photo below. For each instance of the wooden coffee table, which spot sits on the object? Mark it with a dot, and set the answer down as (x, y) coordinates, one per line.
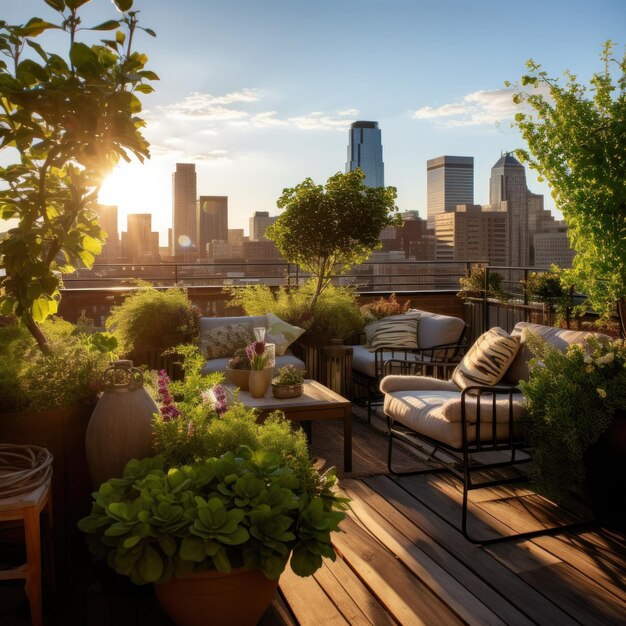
(316, 403)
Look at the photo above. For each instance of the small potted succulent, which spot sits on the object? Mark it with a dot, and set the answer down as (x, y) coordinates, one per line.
(288, 383)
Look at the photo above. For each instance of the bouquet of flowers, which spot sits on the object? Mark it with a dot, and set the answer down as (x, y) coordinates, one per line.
(257, 355)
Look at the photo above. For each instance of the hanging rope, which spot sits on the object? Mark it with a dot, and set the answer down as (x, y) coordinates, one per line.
(23, 468)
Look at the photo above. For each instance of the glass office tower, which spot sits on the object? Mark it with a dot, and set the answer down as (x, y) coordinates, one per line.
(365, 150)
(449, 182)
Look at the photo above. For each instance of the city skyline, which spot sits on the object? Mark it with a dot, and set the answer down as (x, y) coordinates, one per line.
(249, 93)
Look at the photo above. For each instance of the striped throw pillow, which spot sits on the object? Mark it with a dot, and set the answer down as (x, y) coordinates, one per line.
(394, 333)
(487, 360)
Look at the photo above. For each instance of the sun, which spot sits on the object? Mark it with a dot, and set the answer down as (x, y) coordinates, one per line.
(140, 188)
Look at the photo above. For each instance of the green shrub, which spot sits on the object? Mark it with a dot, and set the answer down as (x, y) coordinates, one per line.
(572, 397)
(153, 319)
(473, 285)
(70, 374)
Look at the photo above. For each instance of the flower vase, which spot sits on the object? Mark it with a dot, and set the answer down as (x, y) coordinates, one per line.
(259, 381)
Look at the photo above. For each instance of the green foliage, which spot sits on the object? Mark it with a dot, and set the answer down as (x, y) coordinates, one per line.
(327, 229)
(547, 288)
(576, 137)
(70, 374)
(153, 318)
(225, 491)
(336, 313)
(473, 285)
(383, 307)
(68, 121)
(572, 397)
(245, 508)
(288, 375)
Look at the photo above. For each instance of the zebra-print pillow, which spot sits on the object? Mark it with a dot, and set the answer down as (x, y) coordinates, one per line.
(487, 360)
(394, 334)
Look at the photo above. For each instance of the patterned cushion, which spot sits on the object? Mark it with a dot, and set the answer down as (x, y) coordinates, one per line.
(224, 340)
(396, 333)
(281, 333)
(487, 360)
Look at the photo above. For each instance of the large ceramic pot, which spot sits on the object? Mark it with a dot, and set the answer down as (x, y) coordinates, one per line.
(236, 599)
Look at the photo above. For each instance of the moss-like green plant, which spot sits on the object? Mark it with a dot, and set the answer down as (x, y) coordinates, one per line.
(153, 318)
(473, 285)
(572, 397)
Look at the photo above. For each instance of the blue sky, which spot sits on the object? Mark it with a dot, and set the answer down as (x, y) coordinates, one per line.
(260, 95)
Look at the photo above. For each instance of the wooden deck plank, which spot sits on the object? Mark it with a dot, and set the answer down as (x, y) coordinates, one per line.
(518, 592)
(399, 591)
(411, 546)
(308, 602)
(350, 595)
(563, 592)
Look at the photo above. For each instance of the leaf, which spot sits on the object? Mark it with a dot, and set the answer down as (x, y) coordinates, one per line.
(108, 25)
(123, 5)
(75, 4)
(150, 566)
(150, 32)
(58, 5)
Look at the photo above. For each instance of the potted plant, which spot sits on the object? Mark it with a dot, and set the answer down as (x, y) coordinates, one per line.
(238, 369)
(46, 400)
(576, 422)
(224, 496)
(383, 307)
(261, 368)
(150, 321)
(288, 383)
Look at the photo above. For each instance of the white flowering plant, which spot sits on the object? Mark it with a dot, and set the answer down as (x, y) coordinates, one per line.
(572, 398)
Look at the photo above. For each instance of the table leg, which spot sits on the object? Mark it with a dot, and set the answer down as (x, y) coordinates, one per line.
(347, 439)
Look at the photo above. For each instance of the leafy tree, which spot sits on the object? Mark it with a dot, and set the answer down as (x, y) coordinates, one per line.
(328, 229)
(576, 137)
(69, 121)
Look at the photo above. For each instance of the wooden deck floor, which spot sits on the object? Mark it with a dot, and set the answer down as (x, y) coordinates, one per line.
(402, 562)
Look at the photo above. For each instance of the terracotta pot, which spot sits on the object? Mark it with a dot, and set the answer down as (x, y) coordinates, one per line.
(260, 381)
(211, 597)
(239, 378)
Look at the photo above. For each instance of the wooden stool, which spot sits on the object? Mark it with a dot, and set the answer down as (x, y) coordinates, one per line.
(27, 507)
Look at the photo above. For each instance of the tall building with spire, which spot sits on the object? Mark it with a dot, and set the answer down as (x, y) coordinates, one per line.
(449, 183)
(508, 192)
(184, 218)
(365, 150)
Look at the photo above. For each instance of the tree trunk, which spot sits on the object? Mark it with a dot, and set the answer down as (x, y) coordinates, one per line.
(40, 338)
(621, 315)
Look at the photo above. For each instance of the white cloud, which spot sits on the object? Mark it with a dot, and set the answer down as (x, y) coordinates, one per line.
(348, 113)
(487, 106)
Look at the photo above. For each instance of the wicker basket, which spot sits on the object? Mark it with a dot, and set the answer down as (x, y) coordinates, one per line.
(286, 391)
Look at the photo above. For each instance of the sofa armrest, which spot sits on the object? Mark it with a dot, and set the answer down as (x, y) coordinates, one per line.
(392, 383)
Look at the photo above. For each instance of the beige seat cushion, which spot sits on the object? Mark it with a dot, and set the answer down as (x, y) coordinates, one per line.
(487, 360)
(437, 414)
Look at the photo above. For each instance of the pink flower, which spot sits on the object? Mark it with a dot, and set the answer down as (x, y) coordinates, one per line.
(168, 409)
(221, 399)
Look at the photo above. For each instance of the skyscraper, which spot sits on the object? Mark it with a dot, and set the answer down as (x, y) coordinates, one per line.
(449, 182)
(107, 215)
(508, 192)
(184, 221)
(139, 241)
(259, 222)
(365, 150)
(212, 221)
